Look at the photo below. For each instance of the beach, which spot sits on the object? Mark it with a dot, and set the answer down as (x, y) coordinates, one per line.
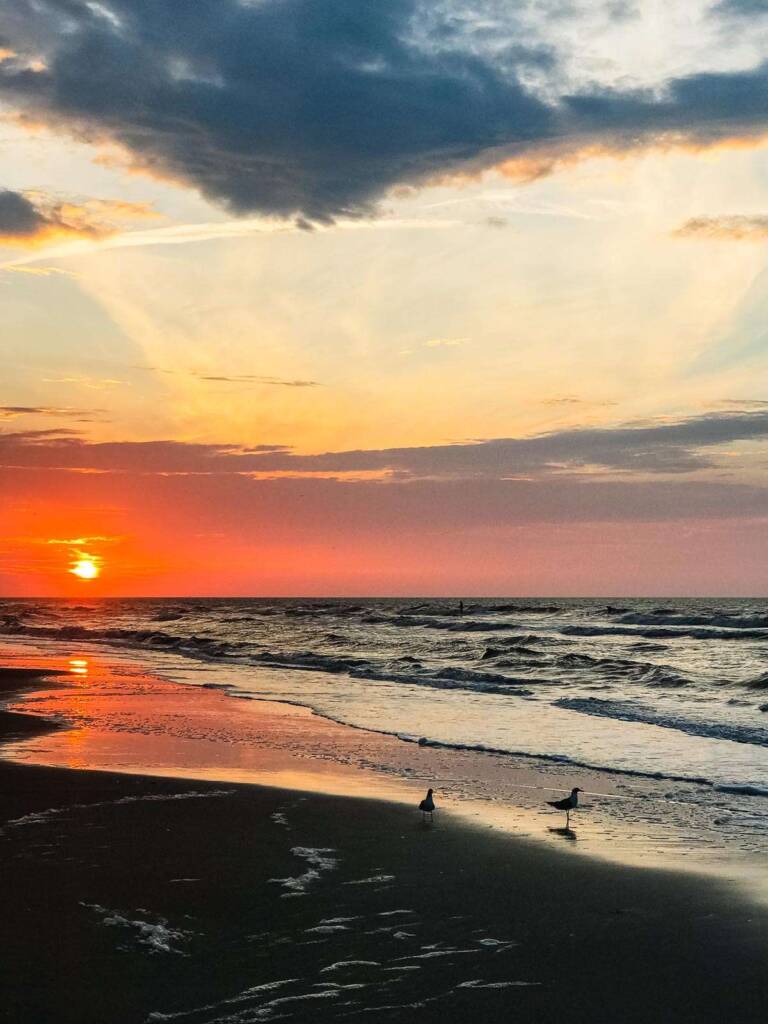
(131, 898)
(384, 512)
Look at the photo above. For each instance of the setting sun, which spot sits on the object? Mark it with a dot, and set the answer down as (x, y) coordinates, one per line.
(86, 569)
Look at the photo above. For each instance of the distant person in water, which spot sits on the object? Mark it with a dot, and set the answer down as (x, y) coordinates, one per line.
(461, 607)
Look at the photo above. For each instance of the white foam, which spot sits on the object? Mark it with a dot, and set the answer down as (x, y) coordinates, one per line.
(340, 964)
(157, 936)
(372, 880)
(241, 997)
(435, 953)
(40, 817)
(326, 929)
(318, 861)
(479, 983)
(336, 985)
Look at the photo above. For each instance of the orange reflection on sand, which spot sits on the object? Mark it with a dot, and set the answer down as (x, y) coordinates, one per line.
(130, 722)
(73, 749)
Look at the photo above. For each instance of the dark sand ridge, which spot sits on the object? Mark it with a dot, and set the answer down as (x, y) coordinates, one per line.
(122, 901)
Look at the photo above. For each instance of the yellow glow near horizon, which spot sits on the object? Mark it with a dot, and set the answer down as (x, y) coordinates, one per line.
(86, 569)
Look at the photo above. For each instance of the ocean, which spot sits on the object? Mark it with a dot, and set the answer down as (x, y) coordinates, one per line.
(670, 693)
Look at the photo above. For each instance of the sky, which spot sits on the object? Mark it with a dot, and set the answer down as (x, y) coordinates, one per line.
(343, 297)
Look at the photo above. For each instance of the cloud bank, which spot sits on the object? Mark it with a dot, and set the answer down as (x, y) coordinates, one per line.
(313, 109)
(678, 447)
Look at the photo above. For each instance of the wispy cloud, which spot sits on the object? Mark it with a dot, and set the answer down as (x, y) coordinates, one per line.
(565, 400)
(188, 234)
(445, 342)
(12, 412)
(81, 541)
(732, 227)
(232, 378)
(253, 379)
(92, 383)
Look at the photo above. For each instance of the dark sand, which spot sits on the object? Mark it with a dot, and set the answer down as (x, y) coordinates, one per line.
(123, 904)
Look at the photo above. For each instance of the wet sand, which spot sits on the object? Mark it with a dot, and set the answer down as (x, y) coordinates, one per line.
(129, 899)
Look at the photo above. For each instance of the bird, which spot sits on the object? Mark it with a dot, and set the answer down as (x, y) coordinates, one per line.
(570, 803)
(427, 806)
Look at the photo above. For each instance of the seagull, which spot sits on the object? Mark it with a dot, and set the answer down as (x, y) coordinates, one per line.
(570, 803)
(427, 806)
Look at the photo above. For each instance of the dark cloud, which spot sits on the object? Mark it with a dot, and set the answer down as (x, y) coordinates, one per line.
(18, 217)
(744, 403)
(25, 221)
(740, 8)
(707, 108)
(733, 227)
(309, 107)
(31, 218)
(678, 447)
(314, 108)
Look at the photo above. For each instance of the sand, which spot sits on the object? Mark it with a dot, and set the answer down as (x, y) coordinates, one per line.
(132, 899)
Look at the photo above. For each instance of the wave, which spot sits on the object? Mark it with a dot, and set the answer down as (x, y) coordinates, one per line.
(740, 790)
(618, 669)
(661, 633)
(523, 609)
(645, 672)
(482, 748)
(722, 620)
(359, 668)
(521, 652)
(455, 625)
(625, 712)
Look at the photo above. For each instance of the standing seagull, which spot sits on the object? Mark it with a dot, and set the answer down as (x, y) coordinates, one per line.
(570, 803)
(427, 806)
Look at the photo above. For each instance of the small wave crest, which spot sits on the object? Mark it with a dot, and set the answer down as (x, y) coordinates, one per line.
(631, 712)
(666, 633)
(720, 620)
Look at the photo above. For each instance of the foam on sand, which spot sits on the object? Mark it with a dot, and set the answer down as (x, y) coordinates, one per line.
(156, 936)
(319, 862)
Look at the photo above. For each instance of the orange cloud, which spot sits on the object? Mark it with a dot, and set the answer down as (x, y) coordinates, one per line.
(734, 228)
(32, 219)
(551, 157)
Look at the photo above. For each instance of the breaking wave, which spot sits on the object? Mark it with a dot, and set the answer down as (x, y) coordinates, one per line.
(626, 712)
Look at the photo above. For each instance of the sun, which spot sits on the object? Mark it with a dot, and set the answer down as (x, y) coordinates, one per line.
(86, 569)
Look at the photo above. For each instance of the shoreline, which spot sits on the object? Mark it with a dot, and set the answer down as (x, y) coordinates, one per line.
(225, 902)
(178, 718)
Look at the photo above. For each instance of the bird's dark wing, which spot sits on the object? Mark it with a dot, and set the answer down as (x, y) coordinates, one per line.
(561, 805)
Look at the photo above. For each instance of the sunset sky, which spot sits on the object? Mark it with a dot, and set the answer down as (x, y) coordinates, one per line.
(384, 297)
